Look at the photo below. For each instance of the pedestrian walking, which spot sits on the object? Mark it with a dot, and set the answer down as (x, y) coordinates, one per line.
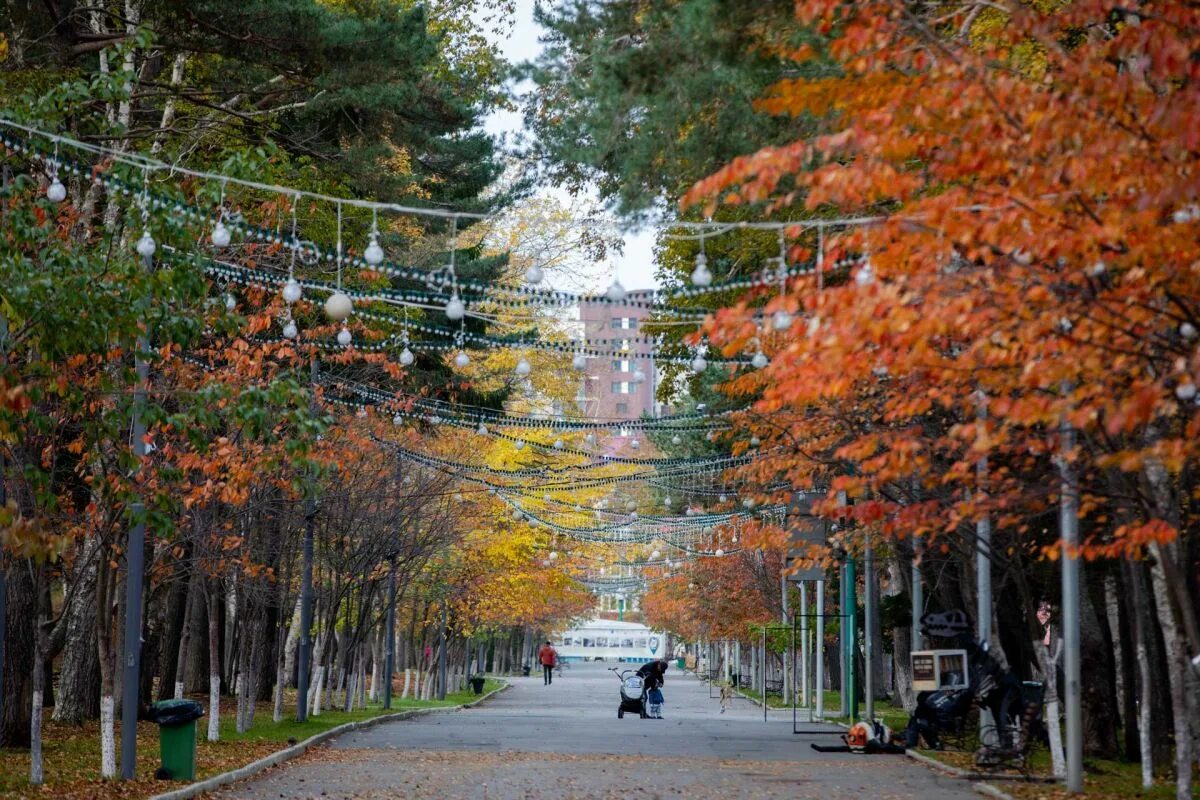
(546, 657)
(726, 696)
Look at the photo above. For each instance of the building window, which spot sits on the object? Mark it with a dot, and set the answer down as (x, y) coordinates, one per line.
(622, 408)
(621, 365)
(624, 323)
(622, 387)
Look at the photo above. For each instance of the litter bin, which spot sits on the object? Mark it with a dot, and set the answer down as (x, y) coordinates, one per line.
(681, 662)
(177, 737)
(477, 684)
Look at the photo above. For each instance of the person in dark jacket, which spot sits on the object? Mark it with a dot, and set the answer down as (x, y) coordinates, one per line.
(653, 673)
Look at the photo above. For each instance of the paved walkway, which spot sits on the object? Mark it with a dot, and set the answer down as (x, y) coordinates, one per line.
(565, 742)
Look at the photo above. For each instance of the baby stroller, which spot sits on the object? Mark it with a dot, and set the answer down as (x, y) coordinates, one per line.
(633, 693)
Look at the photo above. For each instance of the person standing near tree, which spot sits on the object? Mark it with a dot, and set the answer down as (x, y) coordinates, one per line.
(547, 657)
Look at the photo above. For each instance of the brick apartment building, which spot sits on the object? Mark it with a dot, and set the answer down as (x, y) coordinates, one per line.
(608, 390)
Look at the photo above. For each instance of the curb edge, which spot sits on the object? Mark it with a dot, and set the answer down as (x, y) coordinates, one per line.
(292, 751)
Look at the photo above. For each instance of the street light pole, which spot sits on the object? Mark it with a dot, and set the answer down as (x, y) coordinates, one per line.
(134, 569)
(306, 589)
(1069, 524)
(442, 652)
(390, 661)
(983, 556)
(819, 644)
(869, 625)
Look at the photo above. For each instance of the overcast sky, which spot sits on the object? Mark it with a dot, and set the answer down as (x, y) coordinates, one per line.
(635, 266)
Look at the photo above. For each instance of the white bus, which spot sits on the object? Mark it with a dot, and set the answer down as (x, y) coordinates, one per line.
(609, 640)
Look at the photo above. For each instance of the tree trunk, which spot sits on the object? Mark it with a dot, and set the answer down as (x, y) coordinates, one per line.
(185, 636)
(79, 678)
(1178, 671)
(106, 657)
(902, 651)
(1099, 691)
(18, 655)
(1048, 664)
(39, 681)
(214, 662)
(1140, 623)
(1122, 623)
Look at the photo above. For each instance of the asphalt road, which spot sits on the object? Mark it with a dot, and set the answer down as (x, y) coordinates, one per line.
(564, 741)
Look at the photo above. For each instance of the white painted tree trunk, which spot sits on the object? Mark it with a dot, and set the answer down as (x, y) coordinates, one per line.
(108, 744)
(214, 665)
(318, 688)
(404, 694)
(292, 643)
(376, 669)
(1144, 711)
(1177, 672)
(214, 708)
(35, 740)
(1046, 662)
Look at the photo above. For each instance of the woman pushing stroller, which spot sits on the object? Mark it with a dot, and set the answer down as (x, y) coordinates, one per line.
(653, 673)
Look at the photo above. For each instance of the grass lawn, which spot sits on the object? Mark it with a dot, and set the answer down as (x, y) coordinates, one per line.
(71, 754)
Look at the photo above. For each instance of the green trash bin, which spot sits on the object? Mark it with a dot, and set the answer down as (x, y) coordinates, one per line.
(177, 737)
(681, 663)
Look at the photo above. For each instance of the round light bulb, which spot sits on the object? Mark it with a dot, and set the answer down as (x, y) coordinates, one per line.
(699, 364)
(558, 444)
(654, 555)
(482, 429)
(534, 275)
(373, 255)
(523, 368)
(722, 498)
(56, 192)
(719, 552)
(146, 245)
(1187, 330)
(579, 362)
(754, 441)
(1185, 391)
(220, 235)
(344, 338)
(338, 306)
(635, 444)
(290, 331)
(397, 419)
(519, 444)
(782, 320)
(455, 310)
(865, 275)
(675, 439)
(230, 302)
(590, 438)
(667, 501)
(701, 276)
(462, 359)
(616, 292)
(759, 361)
(292, 291)
(406, 357)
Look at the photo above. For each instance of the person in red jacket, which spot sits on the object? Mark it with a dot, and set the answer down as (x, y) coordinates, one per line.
(546, 657)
